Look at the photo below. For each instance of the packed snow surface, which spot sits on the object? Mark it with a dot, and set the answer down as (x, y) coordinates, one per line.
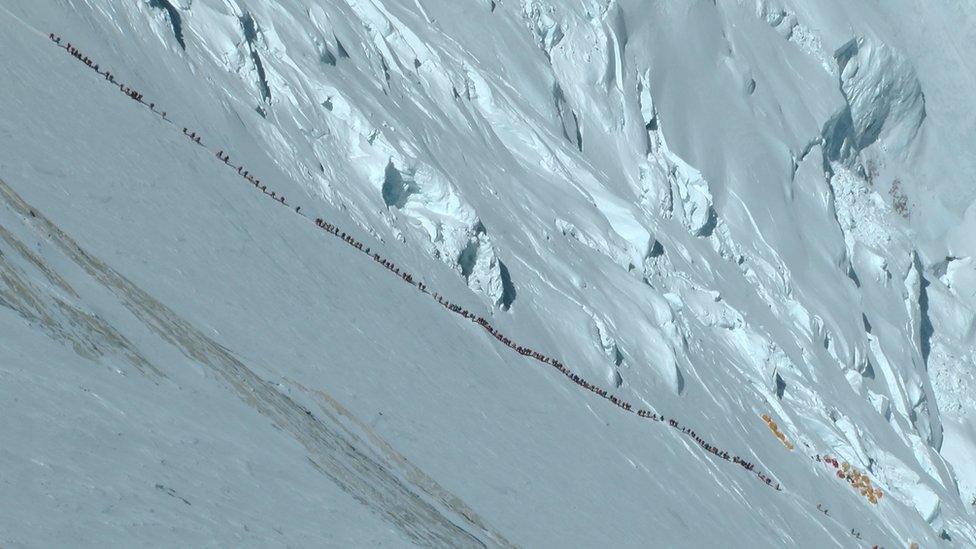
(753, 217)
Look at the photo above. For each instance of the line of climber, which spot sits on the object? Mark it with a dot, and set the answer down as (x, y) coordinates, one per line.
(407, 277)
(531, 353)
(138, 97)
(109, 77)
(525, 351)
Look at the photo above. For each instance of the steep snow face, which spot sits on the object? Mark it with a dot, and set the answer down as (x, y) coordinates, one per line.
(716, 210)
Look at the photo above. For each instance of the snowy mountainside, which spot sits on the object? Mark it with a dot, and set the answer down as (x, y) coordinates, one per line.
(717, 210)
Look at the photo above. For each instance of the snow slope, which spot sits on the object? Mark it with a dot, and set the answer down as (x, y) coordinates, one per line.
(714, 209)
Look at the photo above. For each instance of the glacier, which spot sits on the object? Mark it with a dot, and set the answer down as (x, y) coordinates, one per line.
(736, 214)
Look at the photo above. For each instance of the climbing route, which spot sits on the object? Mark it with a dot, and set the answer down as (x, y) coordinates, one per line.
(859, 480)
